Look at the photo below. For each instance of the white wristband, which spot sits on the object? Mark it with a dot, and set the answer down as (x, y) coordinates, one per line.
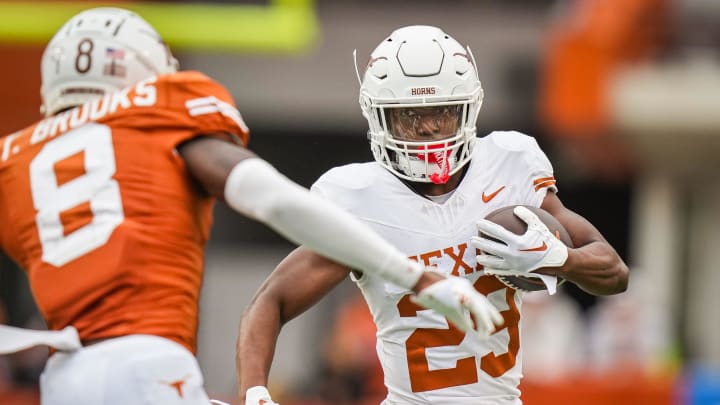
(257, 190)
(255, 394)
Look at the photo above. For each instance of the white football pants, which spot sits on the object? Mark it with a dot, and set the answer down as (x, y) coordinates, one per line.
(129, 370)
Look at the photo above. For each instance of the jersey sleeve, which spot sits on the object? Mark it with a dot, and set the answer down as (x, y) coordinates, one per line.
(541, 175)
(319, 187)
(534, 171)
(191, 104)
(344, 186)
(330, 186)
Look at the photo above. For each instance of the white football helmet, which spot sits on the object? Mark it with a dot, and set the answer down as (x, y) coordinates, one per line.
(421, 70)
(99, 51)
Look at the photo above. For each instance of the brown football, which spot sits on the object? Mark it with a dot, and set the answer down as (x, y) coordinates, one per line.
(504, 216)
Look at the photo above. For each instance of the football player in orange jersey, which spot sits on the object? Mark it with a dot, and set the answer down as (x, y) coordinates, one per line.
(432, 183)
(106, 204)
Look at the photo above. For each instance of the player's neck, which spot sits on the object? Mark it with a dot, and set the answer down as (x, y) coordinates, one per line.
(438, 189)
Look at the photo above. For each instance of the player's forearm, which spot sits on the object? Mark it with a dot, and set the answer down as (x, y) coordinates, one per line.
(259, 330)
(596, 268)
(256, 189)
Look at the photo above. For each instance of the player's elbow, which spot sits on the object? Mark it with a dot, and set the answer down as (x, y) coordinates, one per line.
(622, 279)
(614, 282)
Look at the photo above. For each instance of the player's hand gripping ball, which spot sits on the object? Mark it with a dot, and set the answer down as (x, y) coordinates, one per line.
(500, 249)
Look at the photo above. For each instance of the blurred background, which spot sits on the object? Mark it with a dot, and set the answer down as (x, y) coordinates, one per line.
(623, 95)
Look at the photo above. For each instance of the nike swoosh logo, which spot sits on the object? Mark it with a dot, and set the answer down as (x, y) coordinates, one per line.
(487, 198)
(536, 249)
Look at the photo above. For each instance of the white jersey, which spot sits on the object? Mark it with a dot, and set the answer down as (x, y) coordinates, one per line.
(425, 360)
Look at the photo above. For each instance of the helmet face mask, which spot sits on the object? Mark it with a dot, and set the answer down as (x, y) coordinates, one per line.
(100, 51)
(421, 96)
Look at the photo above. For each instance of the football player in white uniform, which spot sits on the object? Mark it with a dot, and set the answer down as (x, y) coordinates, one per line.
(427, 191)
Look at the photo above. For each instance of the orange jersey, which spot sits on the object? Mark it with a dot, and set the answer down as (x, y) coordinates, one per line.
(100, 211)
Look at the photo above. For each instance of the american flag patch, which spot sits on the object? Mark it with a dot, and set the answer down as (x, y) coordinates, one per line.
(115, 53)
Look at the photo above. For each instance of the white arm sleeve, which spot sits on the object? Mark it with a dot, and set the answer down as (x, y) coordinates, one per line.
(256, 189)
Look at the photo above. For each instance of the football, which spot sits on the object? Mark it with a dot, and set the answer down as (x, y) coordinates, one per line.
(504, 216)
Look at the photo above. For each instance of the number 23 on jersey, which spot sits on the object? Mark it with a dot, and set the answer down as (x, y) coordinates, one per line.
(422, 378)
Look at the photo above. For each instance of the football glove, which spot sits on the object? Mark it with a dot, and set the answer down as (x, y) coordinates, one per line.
(456, 299)
(521, 254)
(258, 395)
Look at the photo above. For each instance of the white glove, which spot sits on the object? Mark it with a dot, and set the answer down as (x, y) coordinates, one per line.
(455, 298)
(258, 395)
(536, 248)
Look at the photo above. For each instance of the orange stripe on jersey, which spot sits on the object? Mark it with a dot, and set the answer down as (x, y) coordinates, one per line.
(544, 185)
(543, 182)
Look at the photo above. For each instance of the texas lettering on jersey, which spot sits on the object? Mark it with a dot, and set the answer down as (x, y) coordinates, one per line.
(100, 212)
(456, 253)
